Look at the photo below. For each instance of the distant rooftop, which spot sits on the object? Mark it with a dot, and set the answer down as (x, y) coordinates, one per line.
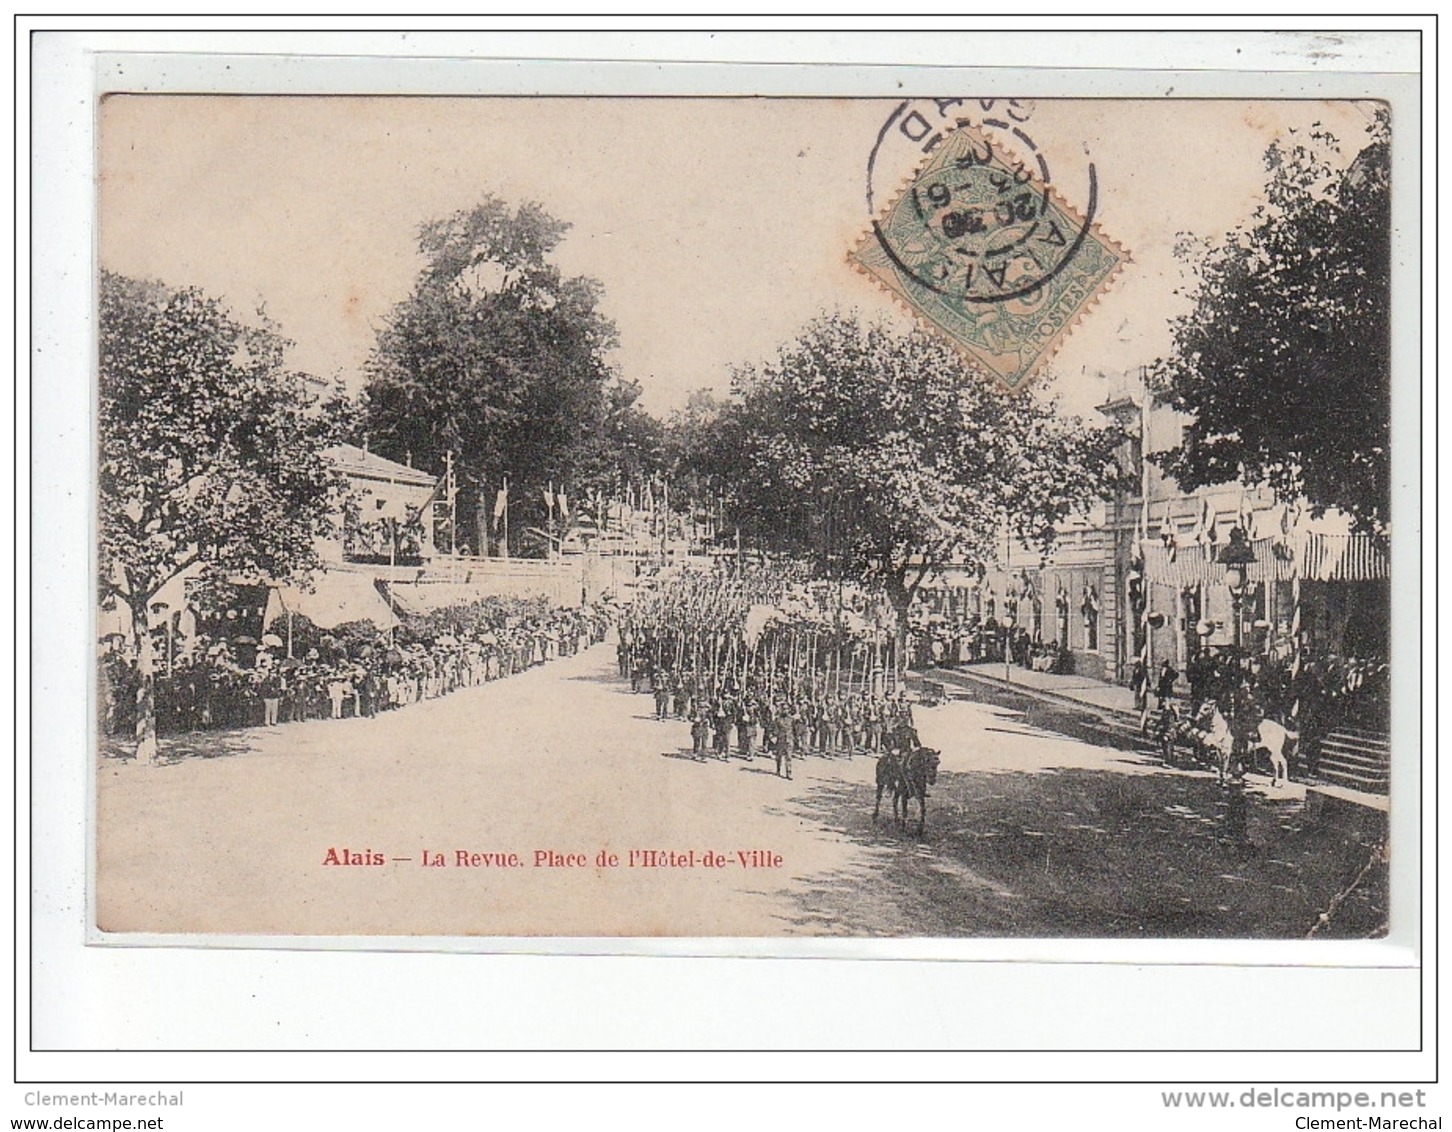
(351, 459)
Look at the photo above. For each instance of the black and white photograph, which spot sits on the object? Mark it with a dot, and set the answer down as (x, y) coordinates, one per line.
(743, 517)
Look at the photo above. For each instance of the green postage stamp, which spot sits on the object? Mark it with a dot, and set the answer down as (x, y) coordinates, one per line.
(982, 249)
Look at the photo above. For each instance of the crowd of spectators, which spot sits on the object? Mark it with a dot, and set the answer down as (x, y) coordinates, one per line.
(937, 641)
(1320, 695)
(353, 671)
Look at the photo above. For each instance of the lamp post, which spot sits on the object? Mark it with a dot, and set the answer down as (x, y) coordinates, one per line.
(1236, 556)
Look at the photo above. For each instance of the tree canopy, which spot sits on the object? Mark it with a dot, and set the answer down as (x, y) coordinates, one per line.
(886, 456)
(496, 357)
(210, 460)
(1284, 364)
(625, 447)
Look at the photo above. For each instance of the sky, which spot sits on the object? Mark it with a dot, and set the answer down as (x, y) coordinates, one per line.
(718, 227)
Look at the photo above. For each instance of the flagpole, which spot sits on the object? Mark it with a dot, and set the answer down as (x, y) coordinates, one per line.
(392, 561)
(1147, 648)
(1294, 537)
(1007, 639)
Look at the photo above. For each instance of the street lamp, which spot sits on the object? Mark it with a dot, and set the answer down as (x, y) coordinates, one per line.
(1236, 556)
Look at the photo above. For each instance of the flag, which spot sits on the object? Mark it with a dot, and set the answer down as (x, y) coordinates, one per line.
(1208, 516)
(1136, 556)
(1247, 517)
(501, 505)
(1136, 575)
(564, 506)
(549, 498)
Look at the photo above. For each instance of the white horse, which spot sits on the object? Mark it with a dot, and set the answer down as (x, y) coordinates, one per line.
(1213, 731)
(1275, 739)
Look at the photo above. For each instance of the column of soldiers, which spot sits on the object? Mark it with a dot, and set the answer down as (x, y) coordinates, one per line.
(734, 705)
(728, 716)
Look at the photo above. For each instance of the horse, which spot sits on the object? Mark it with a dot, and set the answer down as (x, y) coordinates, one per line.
(919, 771)
(1275, 738)
(908, 774)
(1272, 737)
(1212, 731)
(896, 743)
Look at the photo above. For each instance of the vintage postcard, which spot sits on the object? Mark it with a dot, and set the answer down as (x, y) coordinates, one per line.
(743, 517)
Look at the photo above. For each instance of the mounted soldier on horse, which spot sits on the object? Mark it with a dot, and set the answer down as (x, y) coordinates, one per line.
(907, 768)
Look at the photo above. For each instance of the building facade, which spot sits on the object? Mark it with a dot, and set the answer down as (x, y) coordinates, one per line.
(1143, 577)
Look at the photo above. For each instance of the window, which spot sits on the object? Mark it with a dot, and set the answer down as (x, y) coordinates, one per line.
(1090, 609)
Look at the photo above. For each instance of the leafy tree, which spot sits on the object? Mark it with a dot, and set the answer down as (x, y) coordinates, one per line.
(495, 357)
(1284, 363)
(346, 414)
(210, 460)
(688, 433)
(886, 457)
(626, 448)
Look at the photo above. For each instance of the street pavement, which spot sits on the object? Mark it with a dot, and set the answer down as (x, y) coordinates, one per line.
(1044, 822)
(1079, 689)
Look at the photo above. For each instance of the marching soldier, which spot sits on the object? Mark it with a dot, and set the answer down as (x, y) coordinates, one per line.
(700, 730)
(783, 737)
(746, 728)
(721, 729)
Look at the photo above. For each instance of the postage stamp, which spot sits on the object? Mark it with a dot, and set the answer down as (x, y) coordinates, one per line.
(980, 247)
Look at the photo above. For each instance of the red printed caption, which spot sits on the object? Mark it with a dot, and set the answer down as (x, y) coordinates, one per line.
(557, 859)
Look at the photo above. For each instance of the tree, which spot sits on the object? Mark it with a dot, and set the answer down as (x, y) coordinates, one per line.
(883, 456)
(210, 463)
(495, 357)
(626, 447)
(689, 433)
(1283, 365)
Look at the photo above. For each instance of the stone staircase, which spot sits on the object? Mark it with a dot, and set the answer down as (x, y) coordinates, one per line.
(1356, 759)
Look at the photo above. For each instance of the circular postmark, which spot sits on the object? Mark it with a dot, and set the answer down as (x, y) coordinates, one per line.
(978, 241)
(976, 222)
(917, 126)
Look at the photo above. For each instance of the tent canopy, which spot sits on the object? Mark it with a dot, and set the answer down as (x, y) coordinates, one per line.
(425, 597)
(336, 599)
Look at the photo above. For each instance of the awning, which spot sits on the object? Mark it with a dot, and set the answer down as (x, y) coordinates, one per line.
(1343, 558)
(1314, 556)
(336, 599)
(425, 597)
